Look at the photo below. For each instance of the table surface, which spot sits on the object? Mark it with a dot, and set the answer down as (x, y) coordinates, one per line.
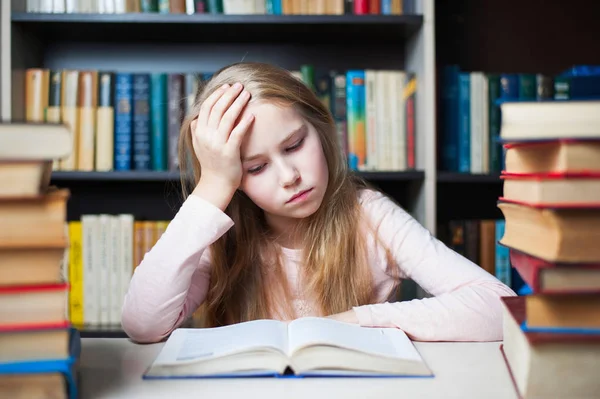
(113, 368)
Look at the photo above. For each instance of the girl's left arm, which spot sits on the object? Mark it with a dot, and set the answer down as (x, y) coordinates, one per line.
(465, 303)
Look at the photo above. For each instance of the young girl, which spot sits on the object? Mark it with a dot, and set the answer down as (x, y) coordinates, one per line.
(276, 226)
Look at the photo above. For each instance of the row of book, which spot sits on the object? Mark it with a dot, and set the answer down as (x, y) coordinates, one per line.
(270, 7)
(551, 207)
(131, 121)
(39, 347)
(470, 110)
(104, 251)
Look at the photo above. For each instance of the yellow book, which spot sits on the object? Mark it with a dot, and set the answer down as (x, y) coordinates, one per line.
(76, 274)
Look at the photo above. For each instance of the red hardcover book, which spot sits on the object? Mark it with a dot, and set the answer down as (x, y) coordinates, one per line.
(361, 7)
(545, 277)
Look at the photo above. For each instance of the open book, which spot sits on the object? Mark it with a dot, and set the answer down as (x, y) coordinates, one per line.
(307, 346)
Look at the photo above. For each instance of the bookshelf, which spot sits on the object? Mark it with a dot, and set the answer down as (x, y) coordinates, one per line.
(203, 43)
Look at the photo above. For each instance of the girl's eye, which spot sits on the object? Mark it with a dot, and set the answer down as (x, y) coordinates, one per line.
(295, 146)
(255, 169)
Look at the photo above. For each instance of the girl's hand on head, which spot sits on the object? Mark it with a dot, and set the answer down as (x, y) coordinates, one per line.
(216, 138)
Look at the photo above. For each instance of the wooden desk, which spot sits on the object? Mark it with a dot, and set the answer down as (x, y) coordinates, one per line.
(112, 368)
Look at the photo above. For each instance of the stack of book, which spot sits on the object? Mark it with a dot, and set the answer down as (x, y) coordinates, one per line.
(551, 205)
(38, 347)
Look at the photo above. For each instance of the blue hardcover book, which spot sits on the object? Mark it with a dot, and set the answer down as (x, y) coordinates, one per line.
(464, 122)
(123, 120)
(450, 118)
(305, 347)
(141, 121)
(503, 267)
(66, 366)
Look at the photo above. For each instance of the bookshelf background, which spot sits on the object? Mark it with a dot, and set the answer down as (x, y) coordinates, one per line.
(193, 43)
(478, 36)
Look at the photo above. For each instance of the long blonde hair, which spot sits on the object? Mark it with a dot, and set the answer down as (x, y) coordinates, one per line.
(246, 281)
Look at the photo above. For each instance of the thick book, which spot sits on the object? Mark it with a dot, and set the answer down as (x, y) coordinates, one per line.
(306, 347)
(534, 359)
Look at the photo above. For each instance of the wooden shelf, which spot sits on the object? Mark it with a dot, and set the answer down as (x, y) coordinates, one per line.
(456, 177)
(150, 176)
(197, 28)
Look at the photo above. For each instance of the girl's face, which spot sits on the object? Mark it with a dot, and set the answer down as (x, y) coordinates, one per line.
(285, 171)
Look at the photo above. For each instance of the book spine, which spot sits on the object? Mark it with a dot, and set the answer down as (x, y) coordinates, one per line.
(494, 123)
(544, 87)
(370, 119)
(409, 96)
(158, 112)
(503, 268)
(141, 121)
(104, 258)
(450, 117)
(115, 300)
(527, 87)
(76, 292)
(175, 96)
(53, 114)
(338, 104)
(215, 6)
(123, 120)
(355, 94)
(105, 127)
(386, 7)
(87, 106)
(149, 5)
(464, 123)
(361, 7)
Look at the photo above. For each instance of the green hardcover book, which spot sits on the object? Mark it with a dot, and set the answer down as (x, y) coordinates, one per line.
(150, 5)
(215, 6)
(163, 7)
(495, 154)
(527, 86)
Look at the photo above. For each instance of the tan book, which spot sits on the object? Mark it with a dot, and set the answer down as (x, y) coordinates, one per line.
(177, 6)
(70, 115)
(52, 141)
(34, 222)
(33, 386)
(555, 156)
(138, 243)
(34, 345)
(33, 305)
(553, 190)
(36, 94)
(87, 108)
(487, 246)
(24, 179)
(563, 311)
(555, 235)
(105, 123)
(22, 266)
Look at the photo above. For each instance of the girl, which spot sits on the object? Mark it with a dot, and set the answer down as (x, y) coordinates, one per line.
(275, 226)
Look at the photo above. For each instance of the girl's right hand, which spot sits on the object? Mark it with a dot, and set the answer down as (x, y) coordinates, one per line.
(216, 139)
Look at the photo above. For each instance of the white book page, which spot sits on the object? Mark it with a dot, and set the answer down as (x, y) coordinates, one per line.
(387, 342)
(191, 344)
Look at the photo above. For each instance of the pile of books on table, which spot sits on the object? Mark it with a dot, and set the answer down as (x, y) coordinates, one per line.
(551, 205)
(38, 347)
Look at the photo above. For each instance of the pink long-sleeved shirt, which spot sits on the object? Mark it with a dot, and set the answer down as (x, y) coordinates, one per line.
(173, 278)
